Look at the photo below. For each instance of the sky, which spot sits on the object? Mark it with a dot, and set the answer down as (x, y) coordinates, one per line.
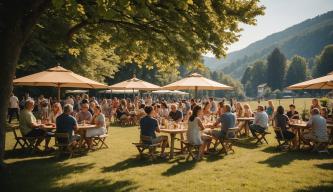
(279, 15)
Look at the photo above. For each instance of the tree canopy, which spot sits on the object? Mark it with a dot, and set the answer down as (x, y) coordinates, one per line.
(297, 71)
(324, 62)
(276, 67)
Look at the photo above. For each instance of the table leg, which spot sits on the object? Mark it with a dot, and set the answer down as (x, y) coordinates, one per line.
(299, 138)
(181, 143)
(172, 147)
(247, 128)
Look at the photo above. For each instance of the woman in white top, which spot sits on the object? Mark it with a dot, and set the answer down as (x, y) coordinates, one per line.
(98, 120)
(194, 134)
(164, 111)
(56, 111)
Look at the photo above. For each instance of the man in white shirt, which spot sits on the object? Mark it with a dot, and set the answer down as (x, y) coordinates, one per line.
(13, 107)
(260, 123)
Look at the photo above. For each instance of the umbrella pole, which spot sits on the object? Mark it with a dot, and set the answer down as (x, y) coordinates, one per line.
(58, 92)
(195, 92)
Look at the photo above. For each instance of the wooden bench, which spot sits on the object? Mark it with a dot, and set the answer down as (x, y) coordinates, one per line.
(227, 142)
(99, 141)
(145, 144)
(28, 143)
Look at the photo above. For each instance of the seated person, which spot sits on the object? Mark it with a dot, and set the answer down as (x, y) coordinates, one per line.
(292, 113)
(98, 120)
(194, 134)
(281, 121)
(55, 112)
(317, 123)
(66, 123)
(227, 121)
(122, 112)
(30, 128)
(164, 110)
(175, 114)
(148, 127)
(84, 114)
(260, 123)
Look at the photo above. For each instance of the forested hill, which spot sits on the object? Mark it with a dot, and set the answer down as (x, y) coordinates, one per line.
(306, 39)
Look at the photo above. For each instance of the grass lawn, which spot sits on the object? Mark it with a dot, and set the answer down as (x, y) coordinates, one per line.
(251, 168)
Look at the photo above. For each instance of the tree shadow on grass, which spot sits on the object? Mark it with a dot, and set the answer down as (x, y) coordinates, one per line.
(325, 187)
(132, 163)
(179, 167)
(99, 185)
(37, 174)
(327, 166)
(285, 158)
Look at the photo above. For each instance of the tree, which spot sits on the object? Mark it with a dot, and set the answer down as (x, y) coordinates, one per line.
(161, 33)
(247, 75)
(325, 61)
(297, 71)
(276, 67)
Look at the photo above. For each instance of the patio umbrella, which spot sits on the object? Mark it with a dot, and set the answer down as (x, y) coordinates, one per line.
(58, 77)
(196, 81)
(325, 82)
(135, 84)
(168, 92)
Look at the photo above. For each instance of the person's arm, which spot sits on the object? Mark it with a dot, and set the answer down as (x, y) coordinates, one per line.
(157, 127)
(202, 127)
(309, 123)
(216, 124)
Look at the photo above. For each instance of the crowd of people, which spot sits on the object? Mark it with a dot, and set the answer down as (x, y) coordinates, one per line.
(151, 114)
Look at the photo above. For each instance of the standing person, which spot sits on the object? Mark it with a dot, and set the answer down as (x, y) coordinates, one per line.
(194, 132)
(69, 100)
(260, 123)
(13, 108)
(270, 110)
(148, 127)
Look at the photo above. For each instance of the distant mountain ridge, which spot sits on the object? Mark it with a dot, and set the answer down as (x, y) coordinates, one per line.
(305, 39)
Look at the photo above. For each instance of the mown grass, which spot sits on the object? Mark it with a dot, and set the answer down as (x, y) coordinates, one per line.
(300, 103)
(251, 168)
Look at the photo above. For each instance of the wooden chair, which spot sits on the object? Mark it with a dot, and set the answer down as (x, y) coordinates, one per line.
(145, 144)
(20, 140)
(192, 150)
(64, 144)
(227, 142)
(99, 141)
(321, 147)
(261, 136)
(281, 139)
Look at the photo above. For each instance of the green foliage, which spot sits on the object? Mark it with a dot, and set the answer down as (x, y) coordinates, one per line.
(297, 71)
(276, 65)
(238, 90)
(254, 76)
(324, 101)
(324, 61)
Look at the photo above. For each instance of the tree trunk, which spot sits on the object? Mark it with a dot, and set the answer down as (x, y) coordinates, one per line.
(17, 19)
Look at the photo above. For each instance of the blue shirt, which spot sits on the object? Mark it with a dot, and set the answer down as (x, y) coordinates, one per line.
(65, 124)
(148, 126)
(227, 120)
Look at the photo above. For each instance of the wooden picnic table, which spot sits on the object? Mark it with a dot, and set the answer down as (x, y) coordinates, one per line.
(246, 122)
(299, 127)
(173, 133)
